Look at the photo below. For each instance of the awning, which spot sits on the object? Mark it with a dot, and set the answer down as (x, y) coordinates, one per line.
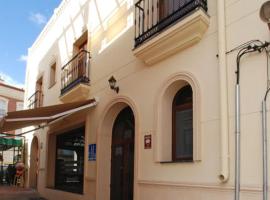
(7, 143)
(24, 118)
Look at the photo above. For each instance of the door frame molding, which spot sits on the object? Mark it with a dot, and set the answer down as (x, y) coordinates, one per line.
(123, 142)
(104, 133)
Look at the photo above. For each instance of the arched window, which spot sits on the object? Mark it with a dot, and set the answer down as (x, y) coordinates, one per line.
(182, 125)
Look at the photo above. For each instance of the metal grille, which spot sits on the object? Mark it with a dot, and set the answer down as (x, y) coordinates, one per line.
(75, 71)
(153, 16)
(35, 100)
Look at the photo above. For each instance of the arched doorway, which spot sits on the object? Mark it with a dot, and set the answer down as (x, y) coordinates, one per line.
(122, 156)
(34, 164)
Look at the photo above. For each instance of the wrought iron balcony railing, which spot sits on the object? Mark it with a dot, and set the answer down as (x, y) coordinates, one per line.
(36, 100)
(153, 16)
(76, 71)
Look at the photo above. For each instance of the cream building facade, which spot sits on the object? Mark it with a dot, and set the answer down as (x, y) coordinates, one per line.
(176, 71)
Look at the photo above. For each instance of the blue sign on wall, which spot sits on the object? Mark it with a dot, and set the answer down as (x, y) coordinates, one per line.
(92, 152)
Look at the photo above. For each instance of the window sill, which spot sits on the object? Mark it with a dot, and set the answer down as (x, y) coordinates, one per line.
(65, 191)
(52, 85)
(177, 161)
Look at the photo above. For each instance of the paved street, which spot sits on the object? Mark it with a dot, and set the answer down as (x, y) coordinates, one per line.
(16, 193)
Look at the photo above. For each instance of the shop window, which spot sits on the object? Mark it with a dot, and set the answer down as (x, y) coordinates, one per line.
(69, 163)
(182, 125)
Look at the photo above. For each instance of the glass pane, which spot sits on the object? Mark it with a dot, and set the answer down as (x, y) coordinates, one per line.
(183, 134)
(183, 96)
(3, 108)
(70, 161)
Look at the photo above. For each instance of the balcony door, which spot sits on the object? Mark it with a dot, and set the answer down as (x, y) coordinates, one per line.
(122, 156)
(82, 59)
(39, 94)
(79, 47)
(167, 7)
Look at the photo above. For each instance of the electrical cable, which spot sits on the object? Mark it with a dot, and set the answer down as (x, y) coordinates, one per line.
(246, 44)
(241, 53)
(266, 93)
(246, 48)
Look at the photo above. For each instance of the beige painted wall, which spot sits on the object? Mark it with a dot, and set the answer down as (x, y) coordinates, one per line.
(11, 93)
(141, 86)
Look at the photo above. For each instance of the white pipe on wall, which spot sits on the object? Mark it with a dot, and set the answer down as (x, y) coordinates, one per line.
(264, 146)
(224, 132)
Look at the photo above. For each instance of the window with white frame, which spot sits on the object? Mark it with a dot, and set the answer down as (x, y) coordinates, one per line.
(19, 106)
(3, 107)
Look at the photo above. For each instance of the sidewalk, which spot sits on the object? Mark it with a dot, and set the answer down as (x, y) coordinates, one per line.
(17, 193)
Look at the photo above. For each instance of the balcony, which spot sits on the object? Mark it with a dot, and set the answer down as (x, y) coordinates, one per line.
(164, 27)
(75, 78)
(36, 100)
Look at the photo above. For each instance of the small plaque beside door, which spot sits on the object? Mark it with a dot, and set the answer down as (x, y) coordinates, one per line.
(147, 142)
(92, 152)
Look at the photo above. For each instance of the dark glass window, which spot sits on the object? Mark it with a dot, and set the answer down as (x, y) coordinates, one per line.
(69, 165)
(182, 125)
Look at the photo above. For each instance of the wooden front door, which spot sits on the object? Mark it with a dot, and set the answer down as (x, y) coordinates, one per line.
(122, 156)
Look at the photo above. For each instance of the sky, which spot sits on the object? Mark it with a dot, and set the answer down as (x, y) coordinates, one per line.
(21, 21)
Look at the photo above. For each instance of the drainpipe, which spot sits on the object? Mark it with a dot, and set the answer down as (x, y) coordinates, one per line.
(224, 133)
(264, 146)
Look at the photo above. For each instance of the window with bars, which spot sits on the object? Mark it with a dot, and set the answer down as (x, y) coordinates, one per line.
(153, 16)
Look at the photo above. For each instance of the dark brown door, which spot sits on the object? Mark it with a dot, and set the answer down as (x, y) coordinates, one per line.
(39, 93)
(82, 60)
(122, 156)
(168, 7)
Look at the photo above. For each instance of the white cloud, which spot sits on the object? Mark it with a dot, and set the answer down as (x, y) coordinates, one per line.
(23, 58)
(10, 81)
(38, 18)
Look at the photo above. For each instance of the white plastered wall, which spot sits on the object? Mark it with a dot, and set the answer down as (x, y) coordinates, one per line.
(111, 34)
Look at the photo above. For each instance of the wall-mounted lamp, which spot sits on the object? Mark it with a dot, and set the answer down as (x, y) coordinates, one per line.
(265, 13)
(112, 83)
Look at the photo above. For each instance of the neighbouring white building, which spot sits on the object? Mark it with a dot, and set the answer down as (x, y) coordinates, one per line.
(165, 127)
